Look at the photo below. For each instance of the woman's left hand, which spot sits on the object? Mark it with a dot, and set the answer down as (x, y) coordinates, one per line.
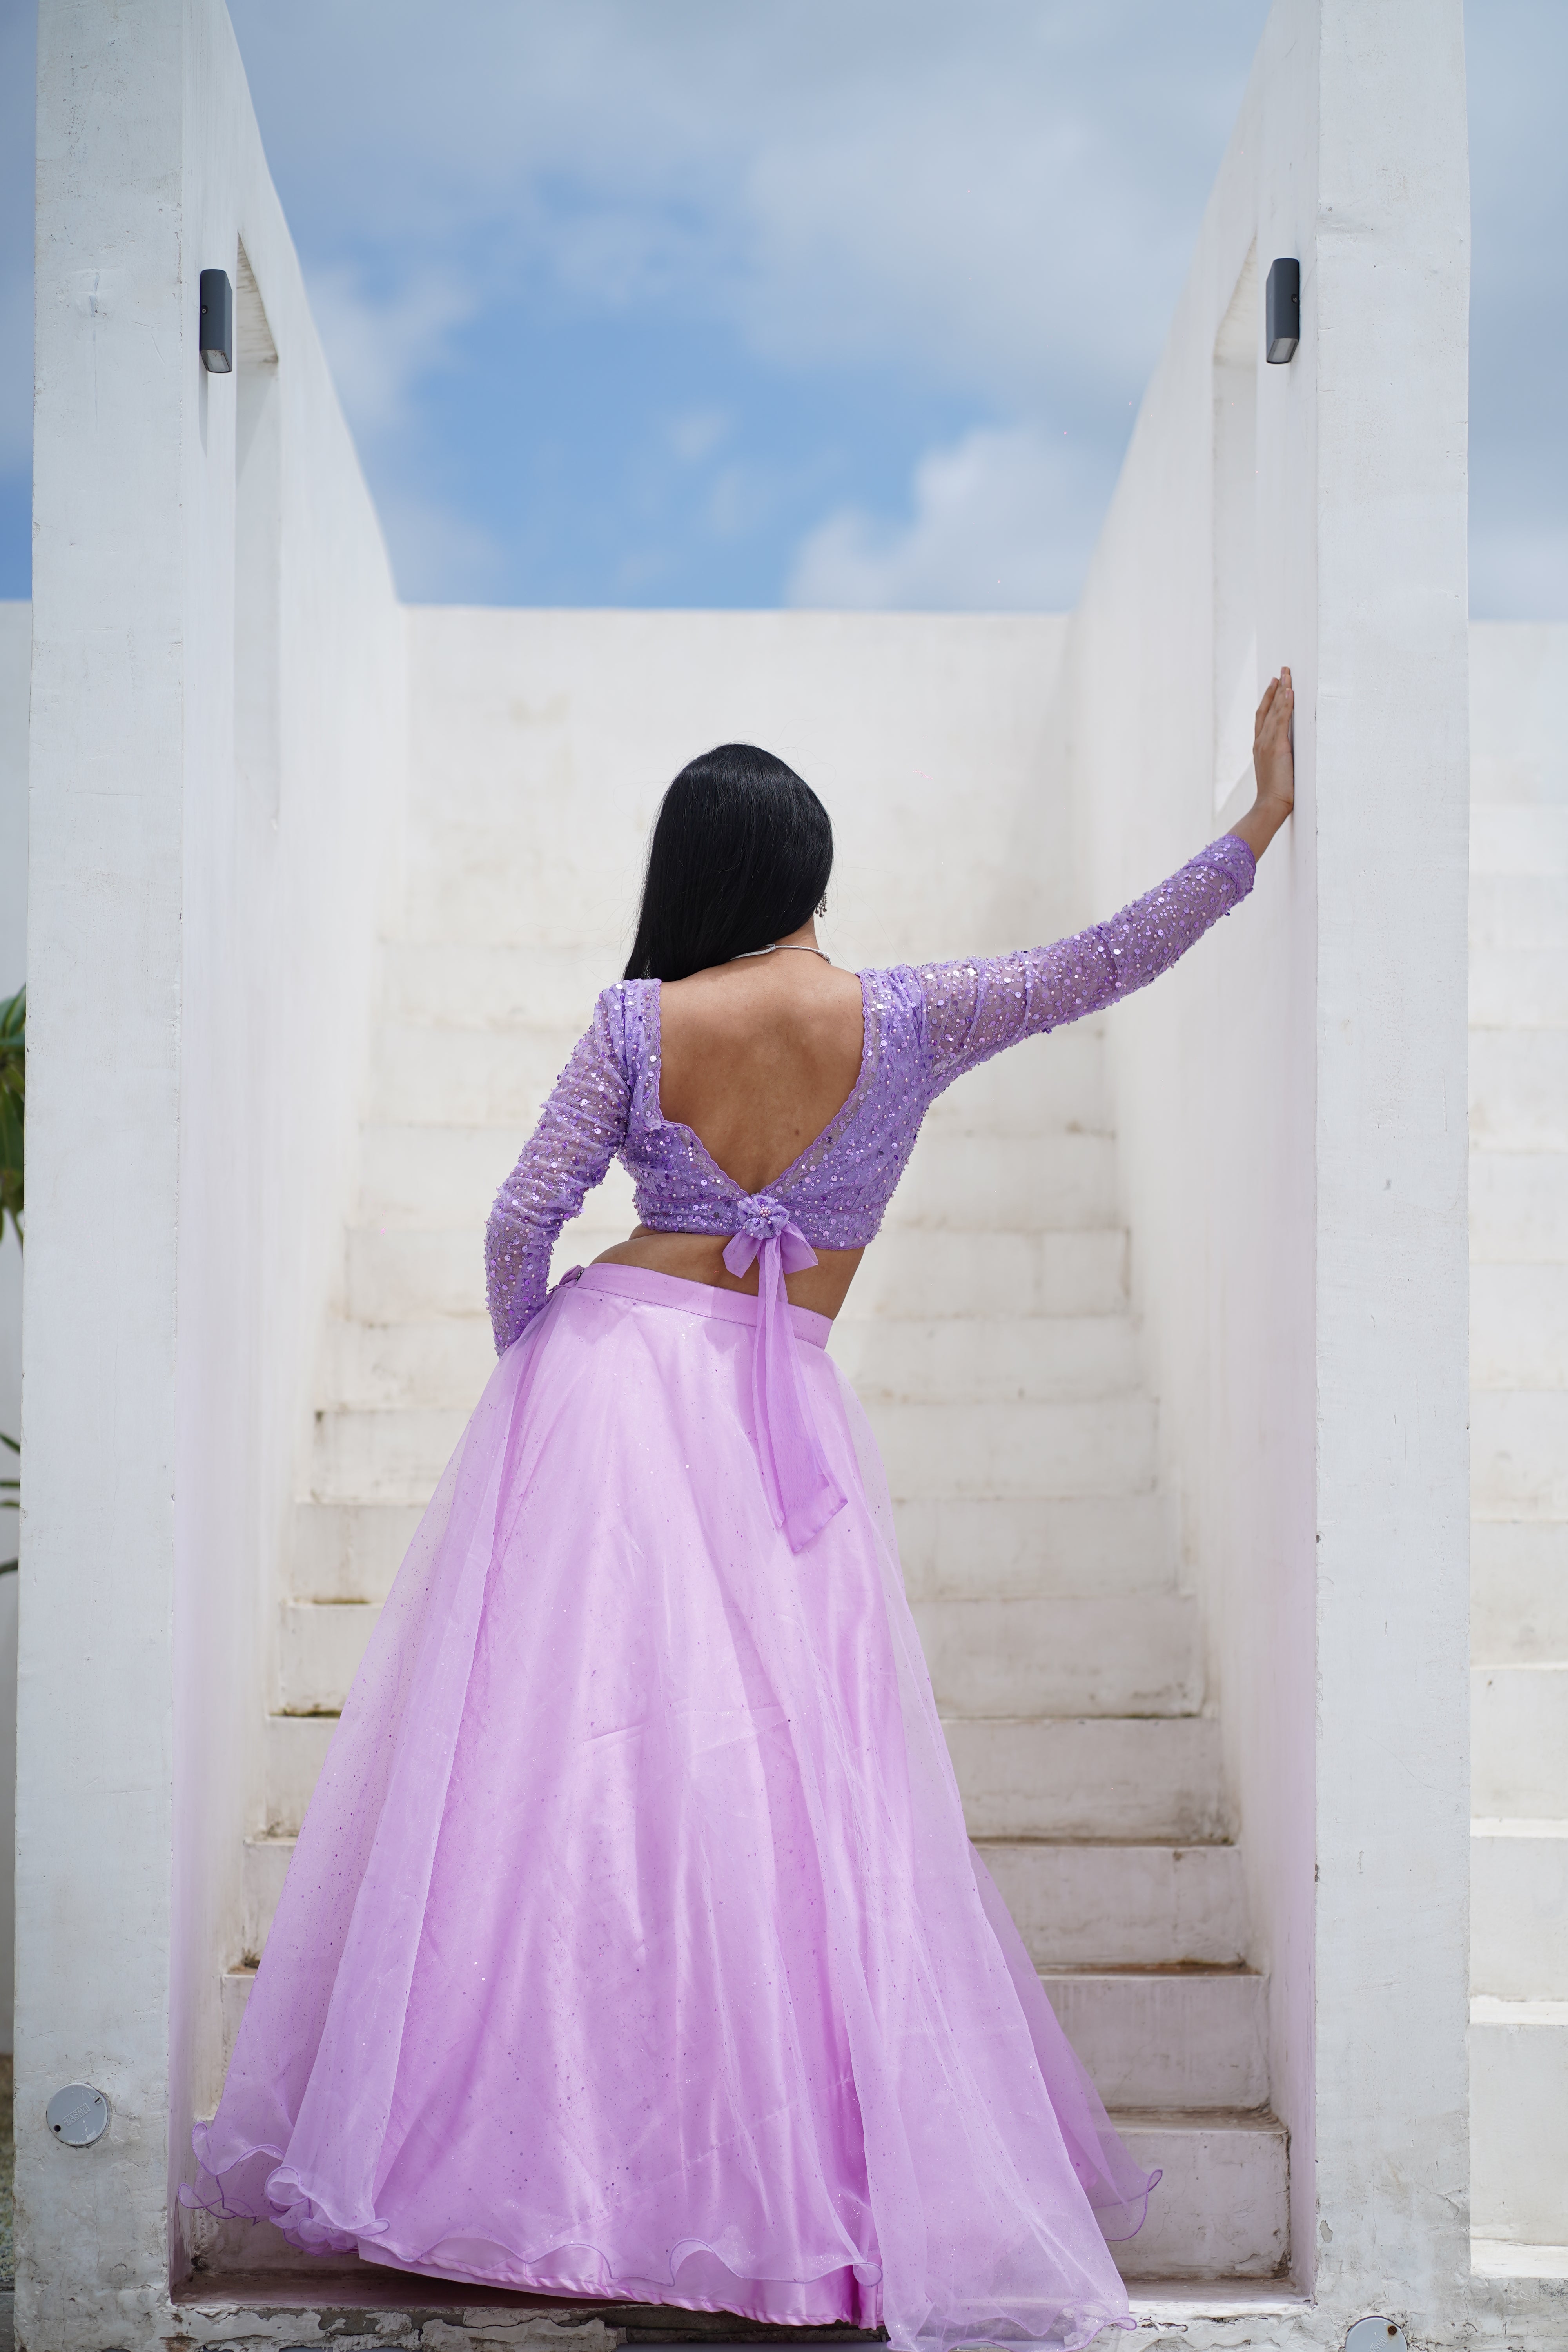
(1273, 766)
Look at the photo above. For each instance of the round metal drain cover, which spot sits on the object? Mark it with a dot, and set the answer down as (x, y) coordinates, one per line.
(1376, 2334)
(79, 2115)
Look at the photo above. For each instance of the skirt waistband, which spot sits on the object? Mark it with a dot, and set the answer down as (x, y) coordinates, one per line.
(693, 1297)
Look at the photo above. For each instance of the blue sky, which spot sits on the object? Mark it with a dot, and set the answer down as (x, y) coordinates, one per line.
(748, 302)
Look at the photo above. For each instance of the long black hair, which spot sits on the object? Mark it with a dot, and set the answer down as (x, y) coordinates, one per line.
(740, 857)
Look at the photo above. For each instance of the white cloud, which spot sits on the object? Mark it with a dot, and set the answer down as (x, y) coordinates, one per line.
(696, 433)
(437, 555)
(378, 347)
(979, 200)
(959, 189)
(997, 526)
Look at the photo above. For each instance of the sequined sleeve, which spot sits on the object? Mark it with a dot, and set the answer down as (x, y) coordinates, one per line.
(579, 1130)
(973, 1010)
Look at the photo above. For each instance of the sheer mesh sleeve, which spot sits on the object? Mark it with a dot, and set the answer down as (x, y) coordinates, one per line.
(579, 1130)
(973, 1010)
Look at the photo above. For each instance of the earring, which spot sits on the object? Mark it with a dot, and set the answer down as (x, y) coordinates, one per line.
(822, 904)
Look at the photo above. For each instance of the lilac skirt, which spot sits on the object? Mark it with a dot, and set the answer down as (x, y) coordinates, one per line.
(633, 1946)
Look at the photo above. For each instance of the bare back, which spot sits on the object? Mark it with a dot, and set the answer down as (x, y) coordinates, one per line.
(756, 1057)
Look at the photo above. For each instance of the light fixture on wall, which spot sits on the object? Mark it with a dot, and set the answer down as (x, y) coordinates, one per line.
(1283, 312)
(217, 322)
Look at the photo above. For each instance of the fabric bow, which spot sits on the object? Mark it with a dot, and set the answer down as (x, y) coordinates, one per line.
(803, 1493)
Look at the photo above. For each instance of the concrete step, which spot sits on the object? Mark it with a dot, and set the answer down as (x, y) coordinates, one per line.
(1126, 1780)
(1501, 2257)
(1518, 912)
(1102, 1447)
(1007, 1549)
(1222, 2208)
(381, 1458)
(1518, 839)
(262, 1873)
(1122, 1906)
(1519, 1454)
(981, 1357)
(446, 1359)
(399, 1276)
(348, 1552)
(1155, 1780)
(1172, 2043)
(1519, 1909)
(1518, 1327)
(1072, 1658)
(480, 878)
(444, 1362)
(1519, 1592)
(1167, 2038)
(319, 1645)
(439, 1177)
(1517, 987)
(1064, 1657)
(929, 1272)
(1041, 1084)
(427, 1075)
(1518, 1090)
(476, 1071)
(1519, 1742)
(234, 1993)
(1023, 1185)
(974, 1548)
(1519, 2119)
(1105, 1906)
(294, 1748)
(404, 1276)
(469, 984)
(1519, 1208)
(477, 876)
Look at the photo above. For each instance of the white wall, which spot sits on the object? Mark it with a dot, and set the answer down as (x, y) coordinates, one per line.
(913, 728)
(1292, 1104)
(199, 962)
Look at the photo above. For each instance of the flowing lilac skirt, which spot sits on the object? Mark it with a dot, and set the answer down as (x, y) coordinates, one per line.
(633, 1945)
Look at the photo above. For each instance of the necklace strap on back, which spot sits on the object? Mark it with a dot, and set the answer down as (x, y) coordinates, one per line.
(795, 947)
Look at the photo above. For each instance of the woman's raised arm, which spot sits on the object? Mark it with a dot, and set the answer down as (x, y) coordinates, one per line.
(975, 1008)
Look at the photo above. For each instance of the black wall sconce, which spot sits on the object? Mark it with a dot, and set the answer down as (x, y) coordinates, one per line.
(1283, 312)
(217, 322)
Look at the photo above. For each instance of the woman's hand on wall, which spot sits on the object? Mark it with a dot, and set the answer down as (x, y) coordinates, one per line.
(1273, 766)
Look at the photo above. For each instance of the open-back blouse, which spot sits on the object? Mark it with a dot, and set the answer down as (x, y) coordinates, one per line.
(924, 1026)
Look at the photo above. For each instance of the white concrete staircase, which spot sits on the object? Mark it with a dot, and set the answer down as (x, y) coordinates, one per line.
(1518, 1626)
(989, 1334)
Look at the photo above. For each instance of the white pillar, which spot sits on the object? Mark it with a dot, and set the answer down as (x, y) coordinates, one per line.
(1388, 294)
(201, 937)
(95, 1798)
(1291, 1102)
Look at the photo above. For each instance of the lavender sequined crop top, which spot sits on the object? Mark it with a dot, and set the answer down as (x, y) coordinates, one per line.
(924, 1026)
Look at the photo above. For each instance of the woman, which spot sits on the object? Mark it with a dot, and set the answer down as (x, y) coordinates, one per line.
(633, 1946)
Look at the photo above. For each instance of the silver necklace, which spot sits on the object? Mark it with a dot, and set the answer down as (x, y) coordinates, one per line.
(795, 947)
